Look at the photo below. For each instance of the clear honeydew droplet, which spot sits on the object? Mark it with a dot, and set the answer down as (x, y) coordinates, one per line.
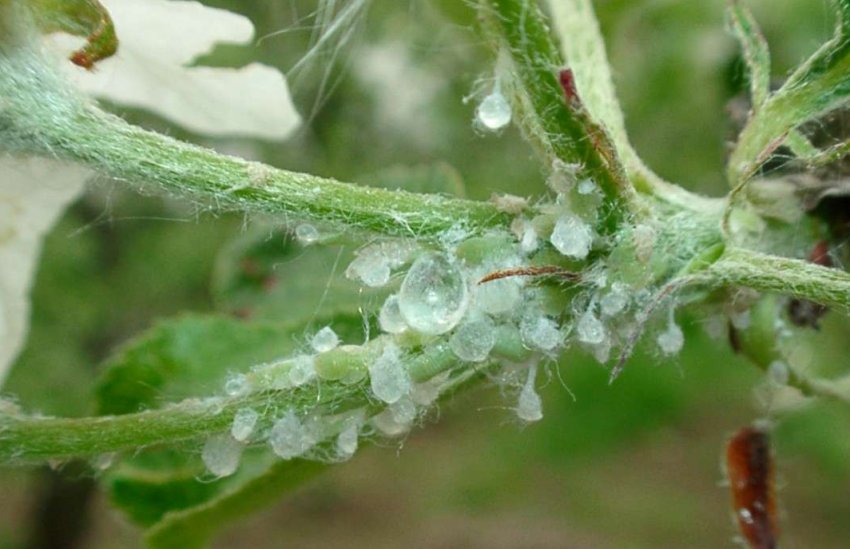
(494, 111)
(473, 340)
(572, 237)
(433, 295)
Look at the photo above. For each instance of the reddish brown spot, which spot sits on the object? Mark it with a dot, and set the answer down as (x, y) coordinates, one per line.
(750, 469)
(100, 44)
(83, 59)
(250, 268)
(244, 313)
(531, 271)
(820, 254)
(568, 84)
(269, 283)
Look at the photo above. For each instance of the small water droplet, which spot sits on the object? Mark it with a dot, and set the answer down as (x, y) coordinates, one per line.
(529, 406)
(590, 329)
(499, 297)
(615, 300)
(389, 378)
(306, 234)
(779, 372)
(403, 410)
(494, 112)
(587, 186)
(473, 340)
(374, 263)
(243, 425)
(540, 332)
(572, 237)
(386, 423)
(221, 455)
(390, 318)
(324, 340)
(303, 369)
(236, 385)
(290, 438)
(433, 295)
(671, 340)
(528, 242)
(347, 441)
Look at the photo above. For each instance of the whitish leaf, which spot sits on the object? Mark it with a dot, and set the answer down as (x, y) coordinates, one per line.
(33, 193)
(158, 41)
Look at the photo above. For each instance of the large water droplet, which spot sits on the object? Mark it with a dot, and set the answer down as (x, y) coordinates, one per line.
(433, 295)
(572, 237)
(494, 112)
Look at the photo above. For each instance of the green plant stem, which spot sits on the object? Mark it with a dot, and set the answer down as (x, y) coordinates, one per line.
(26, 438)
(759, 343)
(782, 275)
(561, 129)
(40, 117)
(816, 87)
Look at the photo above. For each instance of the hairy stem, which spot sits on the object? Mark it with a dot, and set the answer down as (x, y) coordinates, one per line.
(555, 123)
(769, 273)
(26, 438)
(40, 116)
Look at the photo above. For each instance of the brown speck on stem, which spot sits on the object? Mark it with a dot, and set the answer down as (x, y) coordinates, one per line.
(568, 84)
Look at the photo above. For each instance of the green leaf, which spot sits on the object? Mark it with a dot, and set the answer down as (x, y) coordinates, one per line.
(755, 50)
(179, 359)
(187, 357)
(818, 86)
(195, 527)
(584, 51)
(156, 482)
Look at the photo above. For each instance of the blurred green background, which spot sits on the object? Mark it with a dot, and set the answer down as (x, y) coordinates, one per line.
(636, 464)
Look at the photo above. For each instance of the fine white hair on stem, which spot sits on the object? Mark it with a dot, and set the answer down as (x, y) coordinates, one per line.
(335, 23)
